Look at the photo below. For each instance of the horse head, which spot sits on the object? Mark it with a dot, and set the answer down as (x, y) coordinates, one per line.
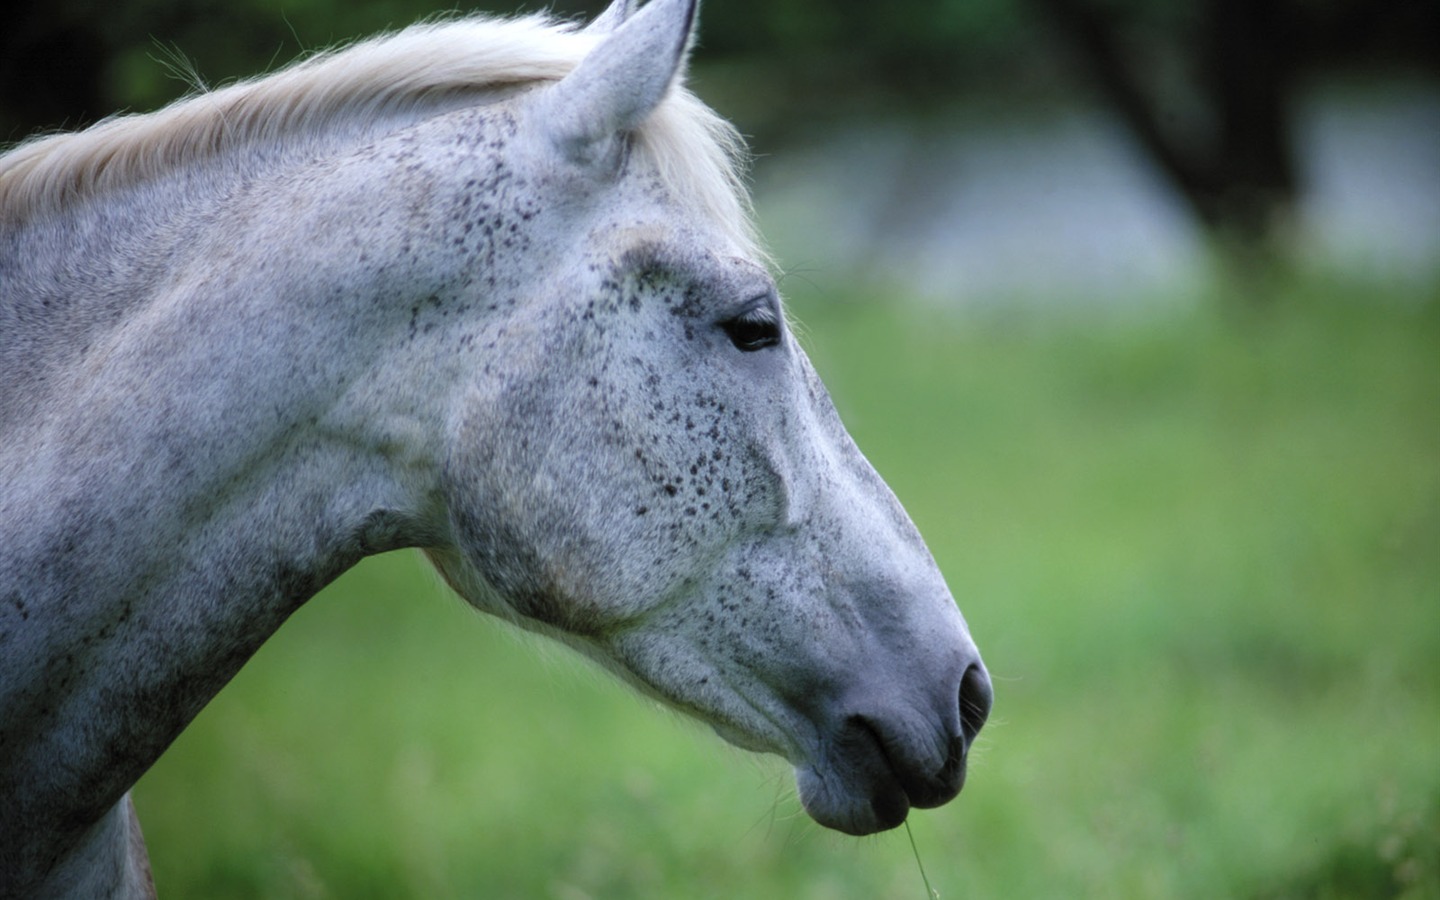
(646, 466)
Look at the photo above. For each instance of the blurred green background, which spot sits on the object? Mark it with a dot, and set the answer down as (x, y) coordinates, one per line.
(1153, 361)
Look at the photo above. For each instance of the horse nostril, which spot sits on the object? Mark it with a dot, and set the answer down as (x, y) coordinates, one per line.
(976, 695)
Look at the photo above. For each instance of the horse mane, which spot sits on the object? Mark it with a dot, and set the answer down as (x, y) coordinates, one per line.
(699, 155)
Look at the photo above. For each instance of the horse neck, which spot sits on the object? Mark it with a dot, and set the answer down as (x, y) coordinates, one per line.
(70, 276)
(223, 433)
(66, 279)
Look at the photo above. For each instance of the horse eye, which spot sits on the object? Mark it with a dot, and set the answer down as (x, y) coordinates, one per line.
(753, 330)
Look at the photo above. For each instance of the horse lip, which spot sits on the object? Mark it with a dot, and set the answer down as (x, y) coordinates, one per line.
(923, 790)
(867, 789)
(944, 785)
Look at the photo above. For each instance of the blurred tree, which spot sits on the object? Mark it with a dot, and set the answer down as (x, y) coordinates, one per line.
(1210, 89)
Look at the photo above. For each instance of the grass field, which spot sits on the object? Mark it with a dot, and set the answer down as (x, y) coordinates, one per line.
(1202, 558)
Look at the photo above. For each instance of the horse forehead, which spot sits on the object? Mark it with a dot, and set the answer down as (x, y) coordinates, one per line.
(679, 249)
(492, 150)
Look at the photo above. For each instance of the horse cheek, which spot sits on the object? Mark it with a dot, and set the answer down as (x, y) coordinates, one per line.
(485, 460)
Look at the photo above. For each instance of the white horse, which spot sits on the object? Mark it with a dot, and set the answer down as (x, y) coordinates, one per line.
(486, 288)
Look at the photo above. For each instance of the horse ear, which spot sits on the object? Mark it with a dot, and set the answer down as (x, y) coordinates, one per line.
(619, 83)
(614, 15)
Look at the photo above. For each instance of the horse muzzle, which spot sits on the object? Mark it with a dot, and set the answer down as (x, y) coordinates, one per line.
(878, 761)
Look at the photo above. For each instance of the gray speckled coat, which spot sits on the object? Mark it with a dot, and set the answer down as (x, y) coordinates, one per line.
(512, 326)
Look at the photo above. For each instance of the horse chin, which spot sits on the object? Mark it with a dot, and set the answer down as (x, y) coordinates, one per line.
(880, 807)
(832, 799)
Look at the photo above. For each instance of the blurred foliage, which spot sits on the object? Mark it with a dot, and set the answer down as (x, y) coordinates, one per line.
(66, 62)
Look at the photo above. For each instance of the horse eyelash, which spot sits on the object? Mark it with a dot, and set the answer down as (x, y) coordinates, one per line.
(753, 330)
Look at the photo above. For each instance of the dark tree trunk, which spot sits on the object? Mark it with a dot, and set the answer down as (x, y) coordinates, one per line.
(1238, 177)
(1249, 73)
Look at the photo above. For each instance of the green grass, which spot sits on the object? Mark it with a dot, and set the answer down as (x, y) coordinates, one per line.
(1202, 560)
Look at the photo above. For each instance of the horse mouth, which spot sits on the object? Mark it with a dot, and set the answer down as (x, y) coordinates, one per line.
(861, 787)
(871, 771)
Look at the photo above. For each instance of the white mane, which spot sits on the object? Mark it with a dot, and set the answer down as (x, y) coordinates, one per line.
(700, 155)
